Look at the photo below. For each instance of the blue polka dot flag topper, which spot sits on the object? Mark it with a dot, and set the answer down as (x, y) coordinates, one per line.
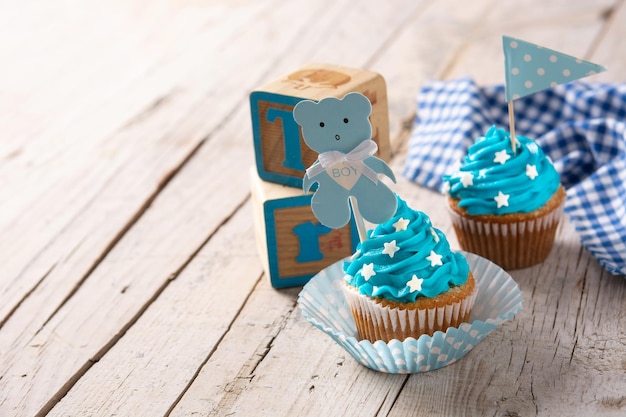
(530, 68)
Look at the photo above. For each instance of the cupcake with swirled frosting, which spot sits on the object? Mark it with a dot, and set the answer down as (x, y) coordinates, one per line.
(404, 281)
(505, 204)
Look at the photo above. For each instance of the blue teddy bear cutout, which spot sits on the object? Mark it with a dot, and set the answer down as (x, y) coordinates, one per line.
(340, 131)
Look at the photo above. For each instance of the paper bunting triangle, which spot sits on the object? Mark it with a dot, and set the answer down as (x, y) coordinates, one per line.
(530, 68)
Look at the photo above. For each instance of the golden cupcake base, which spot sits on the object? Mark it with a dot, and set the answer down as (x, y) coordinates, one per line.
(381, 319)
(512, 241)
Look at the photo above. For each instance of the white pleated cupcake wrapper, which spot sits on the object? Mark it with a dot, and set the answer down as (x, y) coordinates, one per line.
(505, 229)
(324, 305)
(394, 318)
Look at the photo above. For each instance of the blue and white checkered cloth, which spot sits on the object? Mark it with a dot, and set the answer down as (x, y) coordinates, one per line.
(581, 127)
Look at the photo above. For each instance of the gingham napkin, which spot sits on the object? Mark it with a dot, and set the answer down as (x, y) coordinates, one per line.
(581, 127)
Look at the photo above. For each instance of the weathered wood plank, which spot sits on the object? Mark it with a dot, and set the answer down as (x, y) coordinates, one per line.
(81, 164)
(306, 373)
(541, 367)
(53, 355)
(63, 62)
(609, 44)
(175, 335)
(131, 258)
(534, 365)
(545, 372)
(232, 365)
(423, 48)
(529, 366)
(314, 35)
(201, 118)
(307, 382)
(122, 261)
(213, 115)
(572, 29)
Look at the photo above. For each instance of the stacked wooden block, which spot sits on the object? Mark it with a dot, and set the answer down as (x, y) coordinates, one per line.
(292, 243)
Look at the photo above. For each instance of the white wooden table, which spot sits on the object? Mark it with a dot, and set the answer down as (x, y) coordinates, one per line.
(130, 284)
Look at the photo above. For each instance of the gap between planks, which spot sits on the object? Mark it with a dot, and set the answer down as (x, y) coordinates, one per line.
(120, 334)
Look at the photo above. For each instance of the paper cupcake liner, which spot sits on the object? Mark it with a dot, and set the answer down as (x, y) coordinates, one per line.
(512, 245)
(324, 305)
(383, 322)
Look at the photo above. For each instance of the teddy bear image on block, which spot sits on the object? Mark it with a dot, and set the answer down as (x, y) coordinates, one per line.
(292, 243)
(280, 152)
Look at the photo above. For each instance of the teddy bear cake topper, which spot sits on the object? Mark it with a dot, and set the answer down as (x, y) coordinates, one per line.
(346, 170)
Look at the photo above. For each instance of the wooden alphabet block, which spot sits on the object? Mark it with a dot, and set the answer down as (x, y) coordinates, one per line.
(293, 245)
(281, 154)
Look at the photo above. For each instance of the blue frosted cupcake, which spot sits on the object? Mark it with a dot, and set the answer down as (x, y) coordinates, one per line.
(506, 205)
(404, 281)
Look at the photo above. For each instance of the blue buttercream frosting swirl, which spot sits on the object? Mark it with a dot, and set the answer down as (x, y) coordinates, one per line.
(405, 258)
(493, 179)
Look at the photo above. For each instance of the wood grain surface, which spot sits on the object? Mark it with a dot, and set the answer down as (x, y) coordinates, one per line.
(130, 283)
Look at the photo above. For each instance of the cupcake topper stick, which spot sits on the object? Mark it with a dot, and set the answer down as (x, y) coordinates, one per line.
(346, 171)
(529, 68)
(360, 224)
(512, 125)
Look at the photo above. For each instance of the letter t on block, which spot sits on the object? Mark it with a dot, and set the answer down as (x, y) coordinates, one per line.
(281, 154)
(293, 155)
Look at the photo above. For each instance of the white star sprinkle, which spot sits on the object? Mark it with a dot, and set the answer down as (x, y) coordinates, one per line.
(434, 233)
(415, 284)
(390, 248)
(482, 173)
(502, 199)
(467, 179)
(434, 258)
(531, 171)
(501, 157)
(368, 271)
(445, 188)
(401, 224)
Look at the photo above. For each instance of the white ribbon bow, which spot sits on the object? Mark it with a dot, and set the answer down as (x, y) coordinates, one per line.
(355, 158)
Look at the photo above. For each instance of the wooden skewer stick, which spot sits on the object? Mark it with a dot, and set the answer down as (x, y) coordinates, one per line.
(360, 224)
(512, 125)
